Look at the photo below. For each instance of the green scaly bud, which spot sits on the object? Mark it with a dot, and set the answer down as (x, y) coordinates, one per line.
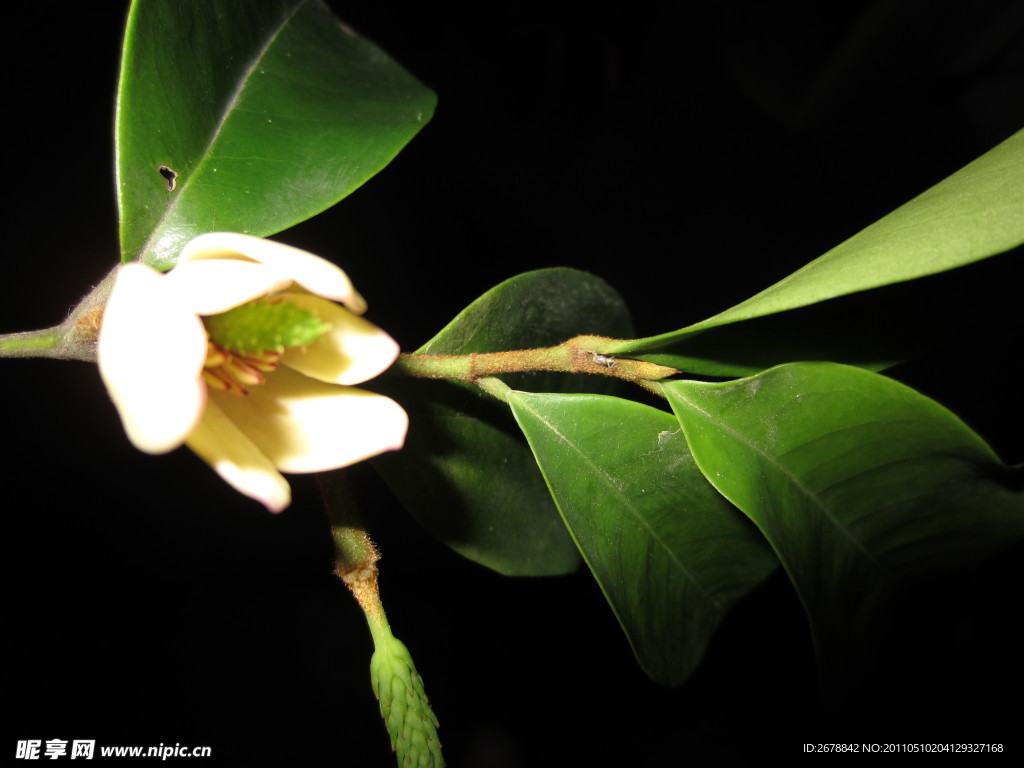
(410, 721)
(404, 706)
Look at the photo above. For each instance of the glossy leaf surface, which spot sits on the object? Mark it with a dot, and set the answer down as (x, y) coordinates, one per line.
(860, 484)
(249, 117)
(466, 473)
(976, 213)
(670, 553)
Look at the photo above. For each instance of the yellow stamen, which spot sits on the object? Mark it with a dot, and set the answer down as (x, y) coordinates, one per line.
(215, 356)
(239, 370)
(265, 361)
(231, 372)
(214, 378)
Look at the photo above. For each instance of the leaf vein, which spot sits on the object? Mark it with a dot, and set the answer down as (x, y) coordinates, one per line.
(610, 482)
(215, 135)
(815, 500)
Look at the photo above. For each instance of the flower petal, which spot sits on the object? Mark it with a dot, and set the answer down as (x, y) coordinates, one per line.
(311, 272)
(352, 351)
(234, 457)
(212, 286)
(304, 425)
(151, 354)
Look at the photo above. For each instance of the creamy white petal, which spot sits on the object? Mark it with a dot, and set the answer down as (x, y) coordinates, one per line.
(304, 425)
(151, 354)
(352, 351)
(211, 286)
(311, 272)
(222, 445)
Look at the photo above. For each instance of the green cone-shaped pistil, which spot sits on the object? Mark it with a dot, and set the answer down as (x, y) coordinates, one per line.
(264, 325)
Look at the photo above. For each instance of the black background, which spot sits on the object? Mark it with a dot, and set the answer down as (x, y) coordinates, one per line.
(690, 154)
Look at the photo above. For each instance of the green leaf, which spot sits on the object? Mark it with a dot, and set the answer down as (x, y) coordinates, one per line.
(249, 117)
(466, 473)
(976, 213)
(861, 485)
(670, 553)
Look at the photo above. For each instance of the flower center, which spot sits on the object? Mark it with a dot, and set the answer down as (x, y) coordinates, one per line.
(246, 342)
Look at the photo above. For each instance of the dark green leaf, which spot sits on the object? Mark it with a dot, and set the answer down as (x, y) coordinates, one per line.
(466, 473)
(670, 553)
(976, 213)
(861, 485)
(249, 117)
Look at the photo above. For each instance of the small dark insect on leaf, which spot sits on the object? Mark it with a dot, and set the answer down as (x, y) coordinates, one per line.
(170, 175)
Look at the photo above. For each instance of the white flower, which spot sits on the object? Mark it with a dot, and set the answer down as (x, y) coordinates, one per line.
(250, 414)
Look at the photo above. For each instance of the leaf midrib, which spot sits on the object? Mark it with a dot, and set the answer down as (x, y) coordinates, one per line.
(811, 496)
(219, 126)
(606, 479)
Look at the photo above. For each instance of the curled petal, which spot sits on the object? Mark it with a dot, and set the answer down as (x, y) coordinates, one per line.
(304, 425)
(316, 275)
(351, 352)
(212, 286)
(234, 457)
(151, 353)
